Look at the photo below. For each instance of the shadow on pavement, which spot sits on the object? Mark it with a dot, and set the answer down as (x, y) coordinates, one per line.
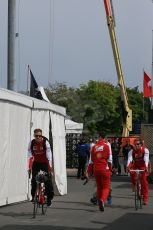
(128, 221)
(14, 214)
(131, 221)
(126, 185)
(38, 227)
(116, 178)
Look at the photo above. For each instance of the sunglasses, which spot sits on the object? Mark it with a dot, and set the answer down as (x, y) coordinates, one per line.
(38, 135)
(138, 144)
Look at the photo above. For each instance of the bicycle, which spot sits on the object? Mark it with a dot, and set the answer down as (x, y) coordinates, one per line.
(40, 198)
(138, 188)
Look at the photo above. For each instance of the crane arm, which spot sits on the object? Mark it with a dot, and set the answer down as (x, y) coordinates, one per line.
(127, 112)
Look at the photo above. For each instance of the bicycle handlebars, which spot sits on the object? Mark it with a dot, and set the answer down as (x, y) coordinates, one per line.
(137, 170)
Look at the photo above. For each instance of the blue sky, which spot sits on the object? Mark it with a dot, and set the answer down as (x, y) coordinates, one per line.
(68, 41)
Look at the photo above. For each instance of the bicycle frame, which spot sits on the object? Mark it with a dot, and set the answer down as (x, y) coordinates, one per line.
(40, 199)
(138, 188)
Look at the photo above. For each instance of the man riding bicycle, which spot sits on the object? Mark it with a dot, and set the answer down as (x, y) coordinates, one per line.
(138, 158)
(40, 158)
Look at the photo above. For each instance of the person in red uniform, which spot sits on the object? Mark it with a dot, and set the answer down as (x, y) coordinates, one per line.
(138, 158)
(101, 164)
(40, 158)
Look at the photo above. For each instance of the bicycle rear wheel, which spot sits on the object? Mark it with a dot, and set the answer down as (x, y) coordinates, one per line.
(35, 206)
(44, 206)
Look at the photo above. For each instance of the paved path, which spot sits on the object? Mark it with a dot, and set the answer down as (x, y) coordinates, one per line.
(74, 211)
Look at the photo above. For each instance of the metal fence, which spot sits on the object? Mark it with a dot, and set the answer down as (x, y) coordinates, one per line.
(147, 136)
(72, 140)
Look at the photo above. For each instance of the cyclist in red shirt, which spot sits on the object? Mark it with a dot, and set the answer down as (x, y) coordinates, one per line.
(138, 158)
(101, 164)
(40, 158)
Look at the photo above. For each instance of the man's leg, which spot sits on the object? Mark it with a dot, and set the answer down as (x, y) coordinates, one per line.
(118, 166)
(144, 188)
(99, 192)
(109, 198)
(35, 170)
(79, 167)
(84, 160)
(115, 166)
(133, 180)
(49, 189)
(98, 187)
(93, 199)
(106, 186)
(125, 166)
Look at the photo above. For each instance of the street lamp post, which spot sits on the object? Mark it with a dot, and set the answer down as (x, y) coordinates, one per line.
(11, 45)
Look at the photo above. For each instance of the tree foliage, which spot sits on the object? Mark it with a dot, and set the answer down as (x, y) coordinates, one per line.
(97, 105)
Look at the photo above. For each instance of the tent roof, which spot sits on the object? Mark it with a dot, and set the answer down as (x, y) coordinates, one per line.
(31, 102)
(73, 127)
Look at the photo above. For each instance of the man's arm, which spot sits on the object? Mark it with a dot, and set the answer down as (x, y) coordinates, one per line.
(110, 148)
(49, 153)
(88, 151)
(30, 159)
(90, 164)
(110, 161)
(29, 151)
(130, 158)
(146, 157)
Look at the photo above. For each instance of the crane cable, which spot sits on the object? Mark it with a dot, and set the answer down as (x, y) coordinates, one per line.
(112, 9)
(51, 40)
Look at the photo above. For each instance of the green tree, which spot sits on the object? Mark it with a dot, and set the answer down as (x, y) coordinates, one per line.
(98, 105)
(100, 99)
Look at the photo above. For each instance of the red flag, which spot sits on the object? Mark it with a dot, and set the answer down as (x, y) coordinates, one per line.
(147, 89)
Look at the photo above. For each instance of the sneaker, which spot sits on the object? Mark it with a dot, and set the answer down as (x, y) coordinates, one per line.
(93, 200)
(145, 202)
(109, 200)
(101, 205)
(83, 178)
(49, 203)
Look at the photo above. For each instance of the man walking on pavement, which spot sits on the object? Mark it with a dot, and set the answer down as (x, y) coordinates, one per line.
(83, 151)
(101, 164)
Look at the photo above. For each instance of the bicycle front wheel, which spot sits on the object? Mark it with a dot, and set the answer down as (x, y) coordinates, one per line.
(140, 196)
(137, 196)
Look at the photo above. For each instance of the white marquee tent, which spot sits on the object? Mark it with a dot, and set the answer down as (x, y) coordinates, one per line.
(73, 127)
(19, 116)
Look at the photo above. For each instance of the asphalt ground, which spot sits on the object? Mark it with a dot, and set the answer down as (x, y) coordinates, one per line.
(75, 212)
